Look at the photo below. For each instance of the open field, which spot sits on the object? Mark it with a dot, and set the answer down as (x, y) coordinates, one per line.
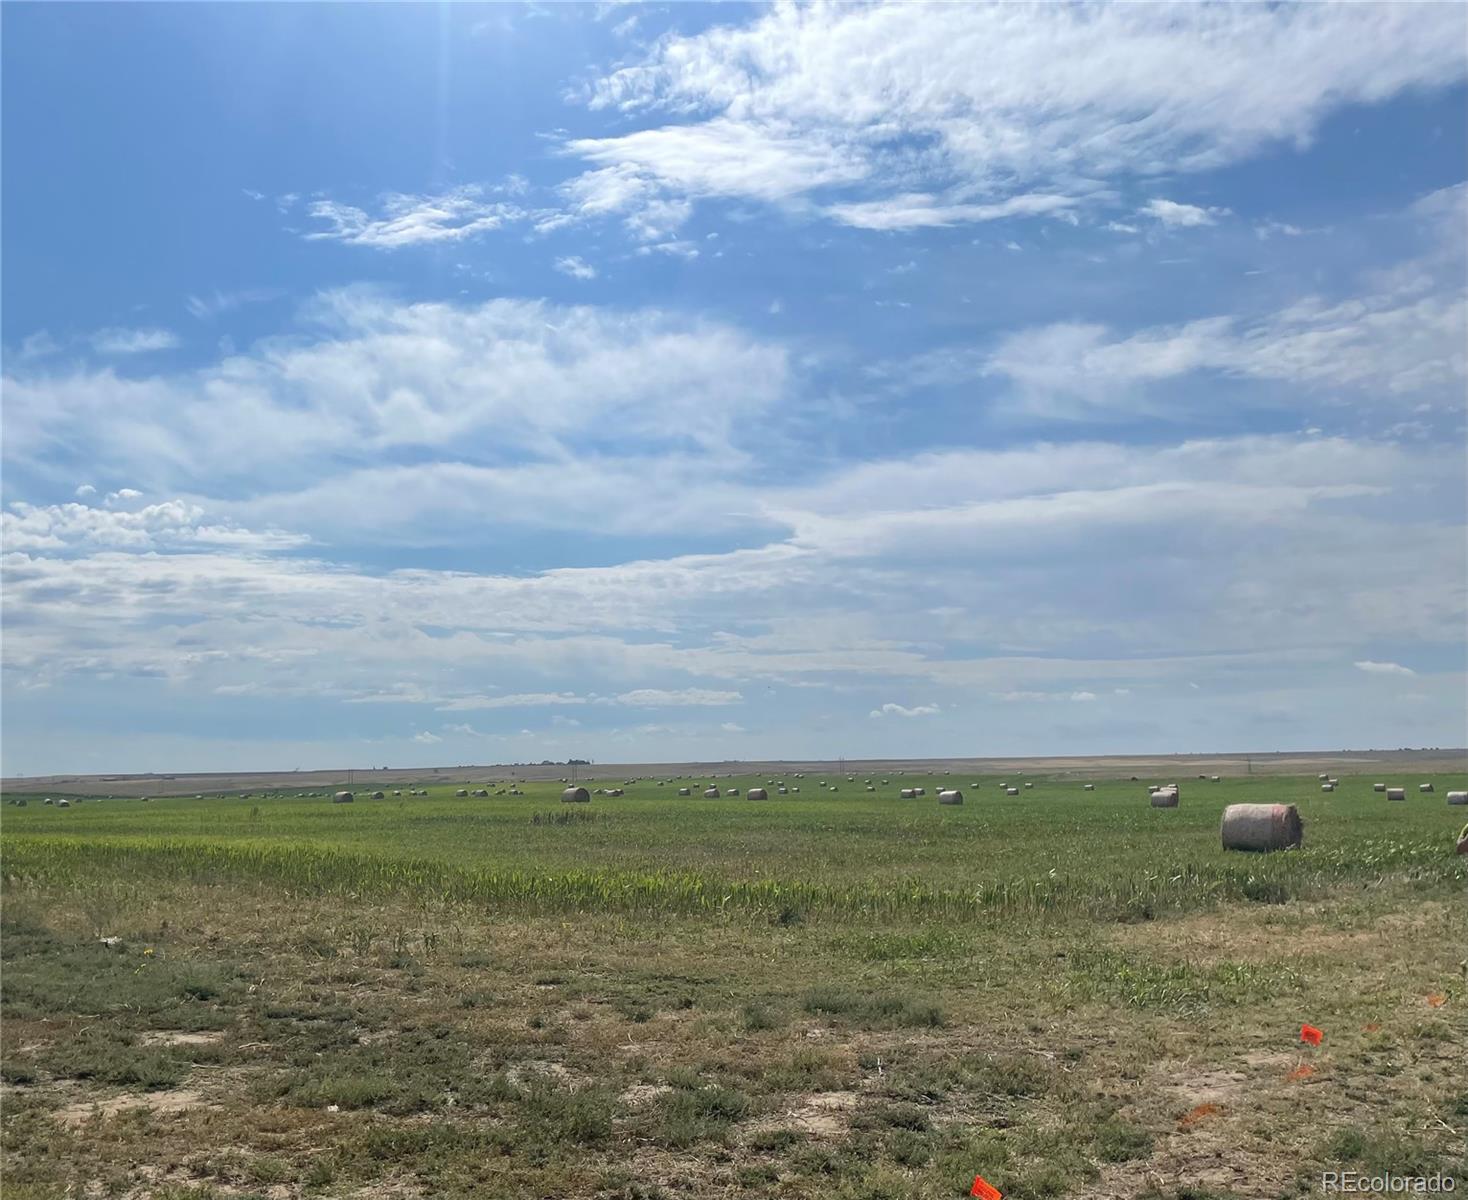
(1147, 766)
(850, 995)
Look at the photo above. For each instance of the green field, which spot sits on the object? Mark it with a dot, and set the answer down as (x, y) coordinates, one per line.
(848, 994)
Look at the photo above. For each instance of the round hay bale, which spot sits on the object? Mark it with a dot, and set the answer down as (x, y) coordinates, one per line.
(378, 796)
(1261, 827)
(612, 792)
(711, 794)
(1378, 787)
(1011, 791)
(1327, 787)
(685, 791)
(1424, 787)
(1324, 775)
(795, 788)
(575, 795)
(397, 791)
(1213, 778)
(1088, 787)
(870, 788)
(63, 804)
(1164, 798)
(951, 796)
(1458, 797)
(1396, 793)
(917, 791)
(1029, 785)
(756, 794)
(484, 792)
(833, 788)
(343, 798)
(907, 794)
(22, 803)
(731, 791)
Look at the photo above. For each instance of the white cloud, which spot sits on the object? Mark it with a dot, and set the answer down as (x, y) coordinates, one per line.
(409, 220)
(1398, 343)
(898, 710)
(427, 738)
(1180, 216)
(529, 379)
(521, 700)
(118, 342)
(1383, 668)
(576, 267)
(983, 103)
(684, 697)
(84, 490)
(172, 524)
(730, 727)
(678, 248)
(917, 211)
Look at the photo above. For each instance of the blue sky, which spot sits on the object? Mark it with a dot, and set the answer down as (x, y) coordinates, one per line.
(429, 384)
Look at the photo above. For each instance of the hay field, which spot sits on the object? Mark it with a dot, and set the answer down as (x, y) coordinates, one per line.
(1070, 993)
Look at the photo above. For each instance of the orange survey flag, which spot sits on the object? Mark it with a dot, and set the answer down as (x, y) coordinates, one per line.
(985, 1190)
(1308, 1033)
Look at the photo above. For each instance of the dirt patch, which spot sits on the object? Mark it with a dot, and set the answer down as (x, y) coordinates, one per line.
(643, 1093)
(540, 1070)
(821, 1114)
(180, 1100)
(170, 1038)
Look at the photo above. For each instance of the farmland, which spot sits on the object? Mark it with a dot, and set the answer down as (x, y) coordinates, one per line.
(841, 994)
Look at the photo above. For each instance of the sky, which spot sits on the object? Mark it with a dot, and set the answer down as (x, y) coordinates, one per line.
(435, 384)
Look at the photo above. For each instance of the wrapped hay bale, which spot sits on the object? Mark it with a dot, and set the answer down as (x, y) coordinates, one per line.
(756, 794)
(951, 796)
(1424, 787)
(63, 804)
(685, 791)
(1323, 776)
(711, 794)
(833, 788)
(732, 792)
(1029, 785)
(610, 792)
(378, 796)
(1261, 827)
(1165, 798)
(870, 788)
(783, 790)
(917, 791)
(462, 792)
(1378, 787)
(1088, 787)
(795, 788)
(1327, 787)
(1396, 793)
(1213, 778)
(907, 794)
(343, 798)
(575, 795)
(1011, 791)
(480, 792)
(1458, 797)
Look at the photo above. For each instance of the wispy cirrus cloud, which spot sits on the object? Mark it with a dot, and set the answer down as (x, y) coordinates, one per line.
(405, 219)
(115, 342)
(987, 100)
